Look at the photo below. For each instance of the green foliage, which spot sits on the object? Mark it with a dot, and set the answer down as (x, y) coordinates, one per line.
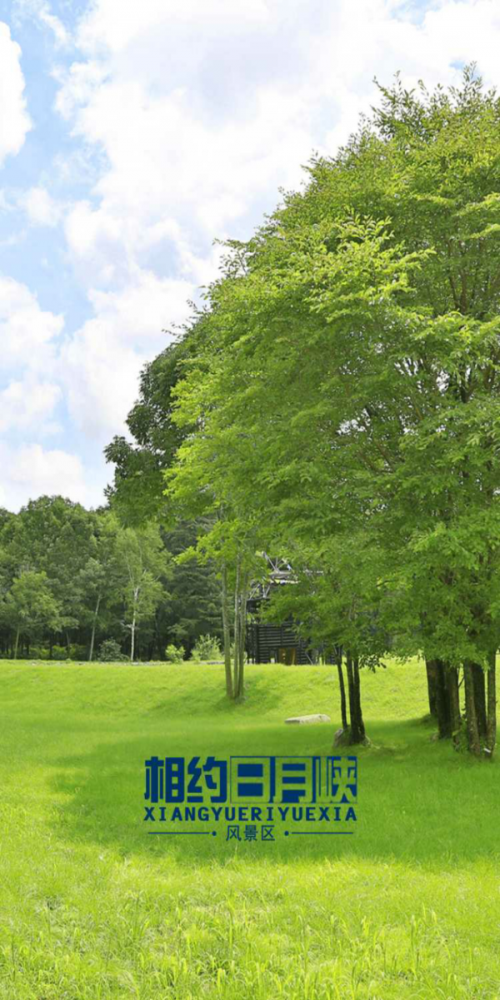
(110, 652)
(61, 653)
(137, 491)
(74, 562)
(30, 606)
(174, 654)
(143, 563)
(206, 648)
(349, 372)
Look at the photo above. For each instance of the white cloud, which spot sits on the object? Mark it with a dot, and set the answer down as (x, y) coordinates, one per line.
(31, 471)
(203, 110)
(61, 35)
(27, 332)
(115, 24)
(40, 11)
(15, 122)
(28, 404)
(40, 207)
(100, 364)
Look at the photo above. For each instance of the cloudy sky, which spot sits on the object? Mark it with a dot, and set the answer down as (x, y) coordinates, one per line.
(134, 132)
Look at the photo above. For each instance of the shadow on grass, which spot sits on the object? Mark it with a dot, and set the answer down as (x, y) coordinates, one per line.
(418, 800)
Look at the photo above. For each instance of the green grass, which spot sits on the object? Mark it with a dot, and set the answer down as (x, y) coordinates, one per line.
(92, 908)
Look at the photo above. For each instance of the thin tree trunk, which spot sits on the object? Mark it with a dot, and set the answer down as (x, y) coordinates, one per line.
(226, 634)
(454, 702)
(242, 633)
(16, 645)
(357, 729)
(236, 640)
(474, 744)
(132, 639)
(491, 727)
(479, 686)
(94, 623)
(357, 695)
(343, 705)
(431, 670)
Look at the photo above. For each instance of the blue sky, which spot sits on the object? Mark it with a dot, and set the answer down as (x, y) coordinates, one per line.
(132, 135)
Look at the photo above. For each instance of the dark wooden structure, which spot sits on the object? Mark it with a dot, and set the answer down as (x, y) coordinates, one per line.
(267, 642)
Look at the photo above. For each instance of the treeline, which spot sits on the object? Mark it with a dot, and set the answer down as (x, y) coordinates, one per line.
(73, 580)
(336, 402)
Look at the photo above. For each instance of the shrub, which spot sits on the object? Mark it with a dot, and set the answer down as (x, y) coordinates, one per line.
(60, 653)
(174, 654)
(206, 647)
(39, 653)
(110, 652)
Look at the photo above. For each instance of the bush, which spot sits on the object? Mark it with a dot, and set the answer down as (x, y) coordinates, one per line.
(39, 653)
(60, 653)
(79, 651)
(206, 647)
(110, 652)
(174, 654)
(75, 651)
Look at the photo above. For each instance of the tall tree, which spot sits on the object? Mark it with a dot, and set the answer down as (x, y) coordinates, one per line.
(144, 565)
(30, 607)
(352, 376)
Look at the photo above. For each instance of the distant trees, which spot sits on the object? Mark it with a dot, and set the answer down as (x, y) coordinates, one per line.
(144, 565)
(74, 576)
(30, 607)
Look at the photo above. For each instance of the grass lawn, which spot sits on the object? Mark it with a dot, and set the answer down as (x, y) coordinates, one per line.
(92, 908)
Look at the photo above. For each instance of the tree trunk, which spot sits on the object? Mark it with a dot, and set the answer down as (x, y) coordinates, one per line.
(343, 705)
(357, 728)
(132, 640)
(360, 726)
(236, 640)
(431, 669)
(474, 743)
(491, 724)
(226, 634)
(443, 711)
(16, 645)
(454, 702)
(479, 687)
(94, 623)
(242, 634)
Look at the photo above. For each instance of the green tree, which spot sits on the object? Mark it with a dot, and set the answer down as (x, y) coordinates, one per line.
(100, 577)
(57, 537)
(30, 607)
(138, 492)
(144, 565)
(350, 374)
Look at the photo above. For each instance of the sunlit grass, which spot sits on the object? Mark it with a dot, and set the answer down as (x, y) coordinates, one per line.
(93, 908)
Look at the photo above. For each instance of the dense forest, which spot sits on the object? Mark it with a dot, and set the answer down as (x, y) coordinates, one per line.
(79, 584)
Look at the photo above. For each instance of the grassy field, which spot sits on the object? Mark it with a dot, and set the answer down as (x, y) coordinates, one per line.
(92, 908)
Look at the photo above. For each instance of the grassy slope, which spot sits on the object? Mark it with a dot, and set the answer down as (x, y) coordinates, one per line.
(91, 908)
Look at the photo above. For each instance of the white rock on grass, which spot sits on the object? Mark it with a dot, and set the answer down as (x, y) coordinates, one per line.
(306, 720)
